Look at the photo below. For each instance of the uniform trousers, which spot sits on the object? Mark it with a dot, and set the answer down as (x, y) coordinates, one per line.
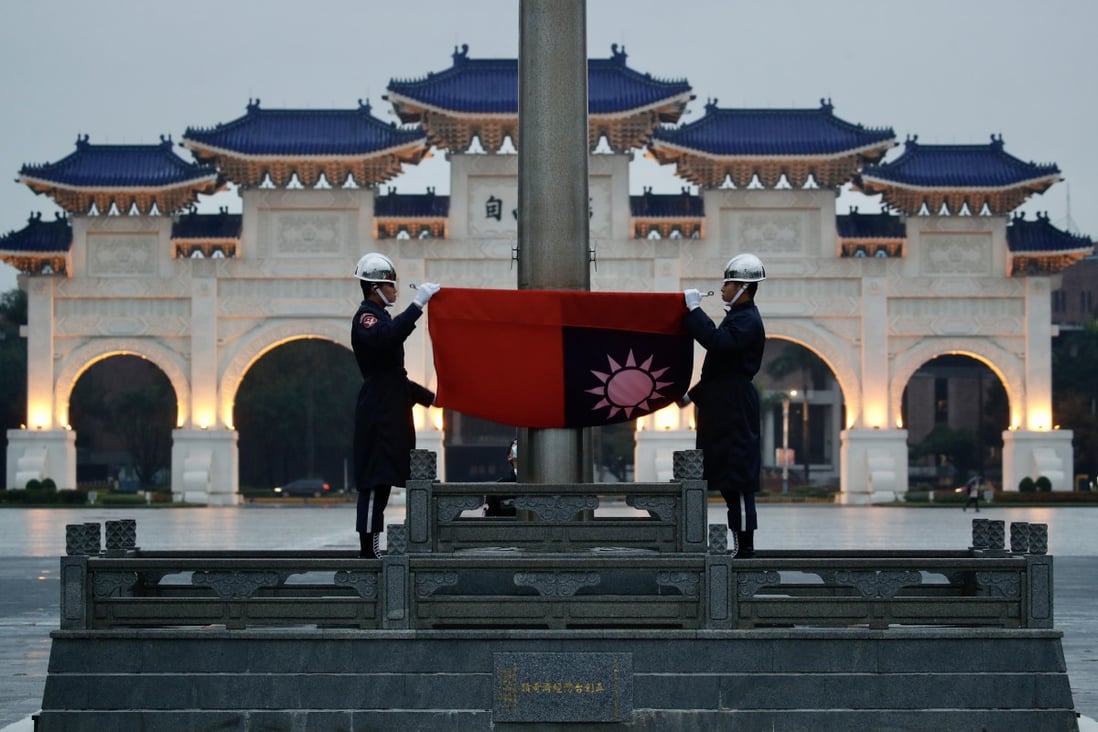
(370, 518)
(742, 515)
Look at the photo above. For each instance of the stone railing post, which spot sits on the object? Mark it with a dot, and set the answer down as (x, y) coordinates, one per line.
(74, 593)
(395, 603)
(687, 468)
(1039, 591)
(720, 601)
(120, 537)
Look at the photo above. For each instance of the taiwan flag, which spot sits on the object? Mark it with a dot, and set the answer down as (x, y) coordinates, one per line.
(558, 358)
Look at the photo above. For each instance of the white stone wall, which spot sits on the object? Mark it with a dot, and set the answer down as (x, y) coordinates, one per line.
(873, 321)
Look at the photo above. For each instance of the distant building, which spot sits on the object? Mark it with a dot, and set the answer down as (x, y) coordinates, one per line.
(944, 270)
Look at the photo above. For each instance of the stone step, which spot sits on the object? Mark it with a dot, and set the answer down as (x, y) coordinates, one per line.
(911, 679)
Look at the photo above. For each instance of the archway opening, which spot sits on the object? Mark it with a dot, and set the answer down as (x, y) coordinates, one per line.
(123, 409)
(955, 409)
(803, 413)
(294, 412)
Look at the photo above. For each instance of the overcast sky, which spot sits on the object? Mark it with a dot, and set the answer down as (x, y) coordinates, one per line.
(950, 71)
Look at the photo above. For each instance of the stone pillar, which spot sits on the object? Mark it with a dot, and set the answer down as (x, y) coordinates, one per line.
(41, 410)
(654, 453)
(873, 466)
(204, 411)
(205, 467)
(1038, 355)
(553, 200)
(1028, 453)
(41, 454)
(874, 357)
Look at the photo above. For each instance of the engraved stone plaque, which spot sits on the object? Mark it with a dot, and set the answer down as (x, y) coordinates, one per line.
(307, 233)
(492, 207)
(122, 255)
(563, 687)
(956, 254)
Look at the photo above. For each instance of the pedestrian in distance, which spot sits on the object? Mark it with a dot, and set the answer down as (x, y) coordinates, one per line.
(505, 505)
(727, 403)
(384, 432)
(973, 488)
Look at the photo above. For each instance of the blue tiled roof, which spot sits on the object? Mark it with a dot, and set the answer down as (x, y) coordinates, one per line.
(490, 86)
(667, 205)
(39, 237)
(870, 226)
(222, 225)
(416, 205)
(958, 166)
(759, 132)
(305, 132)
(1040, 236)
(120, 166)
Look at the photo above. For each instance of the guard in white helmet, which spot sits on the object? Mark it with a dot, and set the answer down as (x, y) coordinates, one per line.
(728, 423)
(384, 432)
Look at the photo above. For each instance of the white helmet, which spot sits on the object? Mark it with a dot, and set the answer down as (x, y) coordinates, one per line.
(374, 267)
(744, 268)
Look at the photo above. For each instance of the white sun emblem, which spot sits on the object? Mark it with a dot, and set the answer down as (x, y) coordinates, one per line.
(628, 388)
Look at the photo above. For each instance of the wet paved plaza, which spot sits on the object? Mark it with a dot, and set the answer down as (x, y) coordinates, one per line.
(31, 540)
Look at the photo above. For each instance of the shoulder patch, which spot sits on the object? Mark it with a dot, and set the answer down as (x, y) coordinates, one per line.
(368, 320)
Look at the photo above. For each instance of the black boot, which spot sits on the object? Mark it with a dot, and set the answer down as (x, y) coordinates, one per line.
(369, 546)
(745, 540)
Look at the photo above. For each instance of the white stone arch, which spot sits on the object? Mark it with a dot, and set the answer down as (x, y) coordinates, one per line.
(267, 337)
(1002, 363)
(839, 356)
(81, 359)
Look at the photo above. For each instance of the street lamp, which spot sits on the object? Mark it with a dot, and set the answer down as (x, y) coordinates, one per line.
(785, 438)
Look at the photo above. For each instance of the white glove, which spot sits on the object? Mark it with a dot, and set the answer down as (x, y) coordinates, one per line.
(693, 298)
(424, 293)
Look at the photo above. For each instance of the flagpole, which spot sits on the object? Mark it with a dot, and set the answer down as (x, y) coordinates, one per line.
(553, 203)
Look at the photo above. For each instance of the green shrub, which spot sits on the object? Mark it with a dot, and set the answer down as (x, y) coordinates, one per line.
(122, 499)
(48, 485)
(33, 485)
(13, 495)
(1043, 484)
(72, 498)
(1026, 485)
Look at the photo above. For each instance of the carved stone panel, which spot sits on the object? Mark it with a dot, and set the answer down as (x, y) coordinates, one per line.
(770, 232)
(308, 233)
(122, 255)
(955, 254)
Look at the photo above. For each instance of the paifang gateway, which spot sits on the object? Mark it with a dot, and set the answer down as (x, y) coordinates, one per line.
(946, 268)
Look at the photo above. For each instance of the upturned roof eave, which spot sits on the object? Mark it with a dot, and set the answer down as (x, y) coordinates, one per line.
(876, 237)
(215, 151)
(35, 252)
(1084, 251)
(654, 217)
(417, 107)
(885, 183)
(685, 150)
(184, 237)
(45, 184)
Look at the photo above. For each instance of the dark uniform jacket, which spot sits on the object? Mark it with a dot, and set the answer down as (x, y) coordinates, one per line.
(727, 402)
(384, 432)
